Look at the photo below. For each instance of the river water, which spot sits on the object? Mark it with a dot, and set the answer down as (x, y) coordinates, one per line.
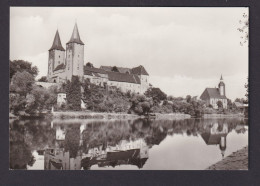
(190, 144)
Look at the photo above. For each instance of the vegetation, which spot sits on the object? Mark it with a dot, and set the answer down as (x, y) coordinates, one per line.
(25, 95)
(21, 66)
(73, 91)
(43, 79)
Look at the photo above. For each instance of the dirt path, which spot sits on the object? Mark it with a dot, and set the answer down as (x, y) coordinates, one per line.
(236, 161)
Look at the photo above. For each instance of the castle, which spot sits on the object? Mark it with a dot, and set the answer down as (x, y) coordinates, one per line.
(63, 64)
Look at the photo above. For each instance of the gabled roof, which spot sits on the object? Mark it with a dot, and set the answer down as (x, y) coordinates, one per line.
(88, 70)
(120, 69)
(75, 38)
(123, 77)
(56, 45)
(139, 70)
(59, 67)
(211, 93)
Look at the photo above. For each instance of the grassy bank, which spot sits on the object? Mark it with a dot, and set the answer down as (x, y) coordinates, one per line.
(236, 161)
(104, 115)
(223, 116)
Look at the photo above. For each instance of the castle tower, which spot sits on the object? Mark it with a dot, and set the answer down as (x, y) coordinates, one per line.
(74, 55)
(221, 87)
(56, 56)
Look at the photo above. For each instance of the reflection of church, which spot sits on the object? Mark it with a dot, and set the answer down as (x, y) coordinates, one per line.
(216, 135)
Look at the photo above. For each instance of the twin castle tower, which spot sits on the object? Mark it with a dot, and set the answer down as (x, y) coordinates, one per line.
(63, 65)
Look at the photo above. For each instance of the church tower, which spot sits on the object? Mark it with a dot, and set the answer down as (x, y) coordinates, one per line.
(56, 56)
(221, 87)
(74, 55)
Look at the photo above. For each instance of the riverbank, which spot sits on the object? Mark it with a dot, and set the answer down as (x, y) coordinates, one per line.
(223, 116)
(121, 116)
(236, 161)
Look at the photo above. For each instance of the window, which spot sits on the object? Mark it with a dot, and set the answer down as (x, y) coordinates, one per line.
(59, 56)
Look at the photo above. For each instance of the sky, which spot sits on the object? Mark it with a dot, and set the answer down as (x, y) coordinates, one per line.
(184, 50)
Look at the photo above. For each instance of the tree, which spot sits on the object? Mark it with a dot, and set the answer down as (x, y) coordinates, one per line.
(244, 29)
(220, 104)
(73, 91)
(114, 69)
(188, 98)
(90, 65)
(43, 79)
(22, 82)
(72, 141)
(156, 94)
(247, 91)
(20, 66)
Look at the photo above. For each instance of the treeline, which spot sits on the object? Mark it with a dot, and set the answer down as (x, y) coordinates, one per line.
(27, 97)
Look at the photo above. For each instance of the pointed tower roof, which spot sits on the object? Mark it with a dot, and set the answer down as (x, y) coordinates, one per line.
(75, 38)
(221, 78)
(56, 45)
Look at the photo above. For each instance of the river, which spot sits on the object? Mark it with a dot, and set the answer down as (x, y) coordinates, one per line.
(190, 144)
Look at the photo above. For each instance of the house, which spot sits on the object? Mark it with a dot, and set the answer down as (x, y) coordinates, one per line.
(213, 95)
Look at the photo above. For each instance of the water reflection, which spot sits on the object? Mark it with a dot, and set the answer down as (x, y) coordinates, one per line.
(86, 144)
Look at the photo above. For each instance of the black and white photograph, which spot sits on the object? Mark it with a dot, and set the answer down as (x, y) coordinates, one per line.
(129, 88)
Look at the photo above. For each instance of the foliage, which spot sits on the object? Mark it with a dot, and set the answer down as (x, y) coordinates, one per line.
(244, 28)
(99, 99)
(43, 79)
(21, 66)
(220, 104)
(188, 98)
(73, 91)
(141, 105)
(247, 91)
(22, 82)
(156, 94)
(114, 69)
(72, 141)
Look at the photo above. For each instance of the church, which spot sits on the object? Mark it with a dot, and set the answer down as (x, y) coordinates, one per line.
(63, 64)
(213, 95)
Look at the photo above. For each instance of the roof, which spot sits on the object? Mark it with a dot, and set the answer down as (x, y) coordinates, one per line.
(139, 70)
(88, 70)
(75, 38)
(212, 93)
(212, 139)
(123, 77)
(120, 69)
(59, 67)
(56, 45)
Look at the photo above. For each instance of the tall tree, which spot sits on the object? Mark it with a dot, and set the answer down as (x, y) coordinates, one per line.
(20, 66)
(22, 82)
(73, 92)
(156, 94)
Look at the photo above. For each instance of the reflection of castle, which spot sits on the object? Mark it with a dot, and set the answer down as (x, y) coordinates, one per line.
(126, 153)
(216, 135)
(57, 159)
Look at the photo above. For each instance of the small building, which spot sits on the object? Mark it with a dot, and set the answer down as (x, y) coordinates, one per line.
(213, 95)
(61, 98)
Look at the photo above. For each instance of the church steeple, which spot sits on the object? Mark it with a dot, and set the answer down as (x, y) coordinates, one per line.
(56, 45)
(221, 79)
(75, 38)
